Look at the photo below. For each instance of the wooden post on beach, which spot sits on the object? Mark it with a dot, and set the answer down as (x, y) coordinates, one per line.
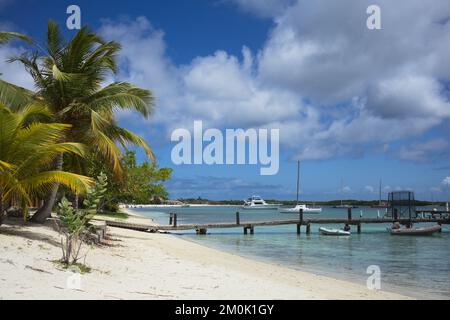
(175, 220)
(349, 214)
(238, 220)
(170, 218)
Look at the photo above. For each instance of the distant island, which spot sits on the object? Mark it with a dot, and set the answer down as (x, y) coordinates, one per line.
(359, 203)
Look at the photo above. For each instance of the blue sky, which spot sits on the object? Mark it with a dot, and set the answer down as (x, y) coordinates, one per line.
(351, 103)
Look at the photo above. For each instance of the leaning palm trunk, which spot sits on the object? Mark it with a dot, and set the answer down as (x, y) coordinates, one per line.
(2, 210)
(45, 211)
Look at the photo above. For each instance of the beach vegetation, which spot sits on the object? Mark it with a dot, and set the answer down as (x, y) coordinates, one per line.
(27, 151)
(74, 224)
(70, 77)
(141, 183)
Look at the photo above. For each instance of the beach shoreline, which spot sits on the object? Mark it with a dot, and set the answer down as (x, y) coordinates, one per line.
(140, 265)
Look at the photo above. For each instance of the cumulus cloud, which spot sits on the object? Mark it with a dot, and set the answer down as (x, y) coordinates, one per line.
(332, 86)
(13, 72)
(266, 8)
(215, 187)
(425, 151)
(446, 182)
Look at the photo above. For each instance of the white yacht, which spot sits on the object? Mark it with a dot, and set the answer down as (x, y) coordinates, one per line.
(257, 203)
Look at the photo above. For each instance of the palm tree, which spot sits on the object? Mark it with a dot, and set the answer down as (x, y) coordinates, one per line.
(27, 150)
(69, 78)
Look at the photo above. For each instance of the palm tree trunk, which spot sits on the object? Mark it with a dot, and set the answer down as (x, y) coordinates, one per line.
(75, 201)
(45, 211)
(2, 209)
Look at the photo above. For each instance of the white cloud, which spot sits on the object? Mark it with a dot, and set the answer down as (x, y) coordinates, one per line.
(425, 151)
(369, 189)
(347, 189)
(332, 86)
(265, 8)
(446, 182)
(13, 72)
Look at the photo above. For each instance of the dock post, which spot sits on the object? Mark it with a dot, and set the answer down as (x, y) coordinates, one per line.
(170, 218)
(440, 226)
(238, 220)
(245, 230)
(201, 231)
(252, 230)
(395, 214)
(175, 220)
(299, 224)
(359, 228)
(308, 229)
(349, 214)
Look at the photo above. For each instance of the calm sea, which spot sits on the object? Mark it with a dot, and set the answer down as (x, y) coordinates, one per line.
(418, 266)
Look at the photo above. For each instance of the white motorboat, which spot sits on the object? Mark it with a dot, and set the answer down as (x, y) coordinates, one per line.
(257, 203)
(333, 232)
(299, 207)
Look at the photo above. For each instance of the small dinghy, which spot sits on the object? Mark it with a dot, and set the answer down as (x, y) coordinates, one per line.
(333, 232)
(424, 231)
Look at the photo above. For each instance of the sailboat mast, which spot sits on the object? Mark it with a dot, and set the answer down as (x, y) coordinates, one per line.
(342, 192)
(298, 179)
(380, 193)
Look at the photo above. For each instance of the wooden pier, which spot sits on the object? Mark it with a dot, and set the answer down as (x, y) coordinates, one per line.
(249, 226)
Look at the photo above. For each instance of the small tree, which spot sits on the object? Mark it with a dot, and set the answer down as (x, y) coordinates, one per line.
(75, 225)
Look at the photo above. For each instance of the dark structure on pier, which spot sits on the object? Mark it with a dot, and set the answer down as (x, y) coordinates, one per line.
(401, 205)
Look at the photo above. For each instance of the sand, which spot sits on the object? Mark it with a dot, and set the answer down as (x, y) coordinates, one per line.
(140, 265)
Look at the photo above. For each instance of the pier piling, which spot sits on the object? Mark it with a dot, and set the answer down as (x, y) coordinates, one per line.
(349, 214)
(238, 220)
(170, 218)
(249, 227)
(359, 228)
(175, 220)
(201, 231)
(308, 229)
(299, 228)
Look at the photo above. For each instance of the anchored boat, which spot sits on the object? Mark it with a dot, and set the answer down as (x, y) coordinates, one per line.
(257, 203)
(424, 231)
(333, 232)
(298, 206)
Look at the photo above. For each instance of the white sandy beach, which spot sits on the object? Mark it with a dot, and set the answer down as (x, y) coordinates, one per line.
(140, 265)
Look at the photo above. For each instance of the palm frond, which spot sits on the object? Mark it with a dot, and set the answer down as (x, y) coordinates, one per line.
(8, 36)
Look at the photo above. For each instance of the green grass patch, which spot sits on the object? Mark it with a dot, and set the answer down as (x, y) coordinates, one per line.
(115, 215)
(82, 268)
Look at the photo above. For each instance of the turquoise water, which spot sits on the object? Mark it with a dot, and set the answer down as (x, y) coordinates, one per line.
(418, 266)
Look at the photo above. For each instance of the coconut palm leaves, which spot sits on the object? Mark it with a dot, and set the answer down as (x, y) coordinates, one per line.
(69, 78)
(27, 151)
